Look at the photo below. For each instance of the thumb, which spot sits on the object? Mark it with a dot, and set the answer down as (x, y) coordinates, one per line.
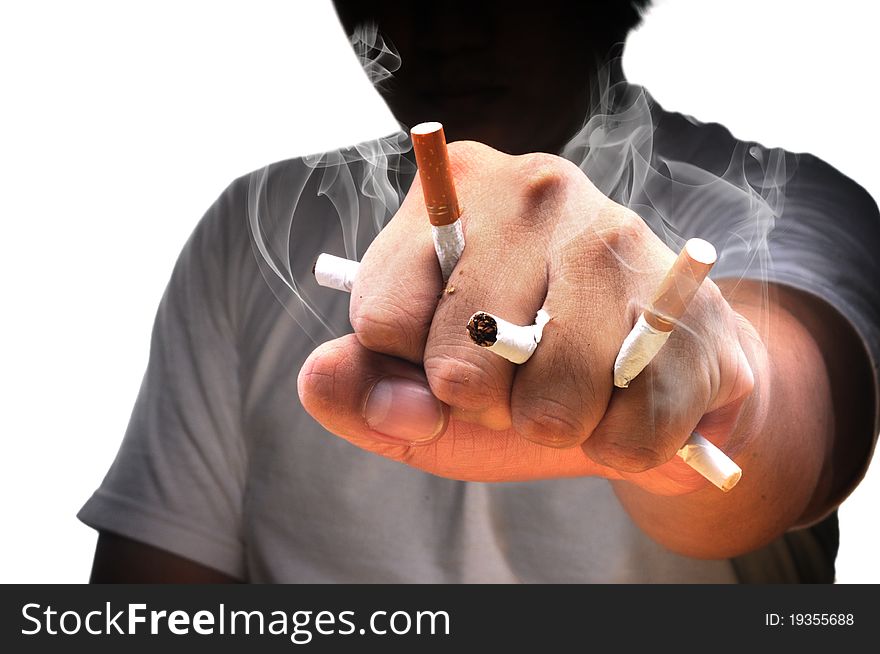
(370, 399)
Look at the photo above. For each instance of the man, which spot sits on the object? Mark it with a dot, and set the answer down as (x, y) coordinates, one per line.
(223, 476)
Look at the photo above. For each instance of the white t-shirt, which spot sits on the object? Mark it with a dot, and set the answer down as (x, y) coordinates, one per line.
(221, 465)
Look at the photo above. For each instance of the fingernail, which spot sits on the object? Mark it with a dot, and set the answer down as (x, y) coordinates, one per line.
(405, 410)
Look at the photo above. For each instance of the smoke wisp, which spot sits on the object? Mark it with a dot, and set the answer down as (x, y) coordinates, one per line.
(634, 152)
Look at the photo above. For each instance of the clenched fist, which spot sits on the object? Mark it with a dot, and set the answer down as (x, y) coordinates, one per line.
(410, 385)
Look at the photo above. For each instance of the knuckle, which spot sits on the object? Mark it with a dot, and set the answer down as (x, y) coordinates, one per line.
(620, 229)
(545, 177)
(541, 161)
(386, 326)
(625, 453)
(548, 422)
(463, 385)
(538, 161)
(466, 156)
(605, 254)
(545, 183)
(637, 442)
(630, 226)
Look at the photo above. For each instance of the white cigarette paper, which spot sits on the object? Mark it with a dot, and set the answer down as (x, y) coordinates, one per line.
(710, 462)
(670, 302)
(449, 244)
(516, 343)
(335, 272)
(640, 346)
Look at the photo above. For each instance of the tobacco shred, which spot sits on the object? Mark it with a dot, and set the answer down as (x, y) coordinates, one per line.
(483, 329)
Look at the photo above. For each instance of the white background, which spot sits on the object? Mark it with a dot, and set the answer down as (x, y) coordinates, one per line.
(121, 122)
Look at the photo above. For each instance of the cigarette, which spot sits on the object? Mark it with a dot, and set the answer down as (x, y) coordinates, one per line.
(670, 302)
(516, 343)
(441, 202)
(438, 187)
(710, 462)
(335, 272)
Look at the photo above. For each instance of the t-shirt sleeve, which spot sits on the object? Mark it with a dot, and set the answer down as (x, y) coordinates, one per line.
(178, 480)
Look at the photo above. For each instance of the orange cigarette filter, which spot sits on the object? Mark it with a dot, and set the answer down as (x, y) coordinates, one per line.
(681, 284)
(432, 158)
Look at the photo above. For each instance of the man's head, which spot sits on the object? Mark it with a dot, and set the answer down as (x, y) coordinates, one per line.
(514, 76)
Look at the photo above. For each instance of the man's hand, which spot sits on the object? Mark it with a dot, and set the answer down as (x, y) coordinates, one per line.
(753, 375)
(538, 234)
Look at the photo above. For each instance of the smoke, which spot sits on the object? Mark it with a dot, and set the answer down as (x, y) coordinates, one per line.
(684, 179)
(364, 185)
(636, 154)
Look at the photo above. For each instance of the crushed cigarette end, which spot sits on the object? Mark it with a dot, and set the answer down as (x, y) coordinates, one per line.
(516, 343)
(705, 457)
(483, 329)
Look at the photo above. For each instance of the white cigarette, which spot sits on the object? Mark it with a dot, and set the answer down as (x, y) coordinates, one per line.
(335, 272)
(669, 304)
(516, 343)
(710, 462)
(640, 346)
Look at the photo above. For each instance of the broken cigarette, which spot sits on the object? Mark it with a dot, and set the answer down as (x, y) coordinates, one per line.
(438, 187)
(335, 272)
(441, 202)
(656, 322)
(710, 462)
(516, 343)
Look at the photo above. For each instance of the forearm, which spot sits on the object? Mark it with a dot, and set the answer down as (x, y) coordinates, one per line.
(782, 441)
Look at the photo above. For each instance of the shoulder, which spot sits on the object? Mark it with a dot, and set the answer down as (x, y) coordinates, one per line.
(805, 179)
